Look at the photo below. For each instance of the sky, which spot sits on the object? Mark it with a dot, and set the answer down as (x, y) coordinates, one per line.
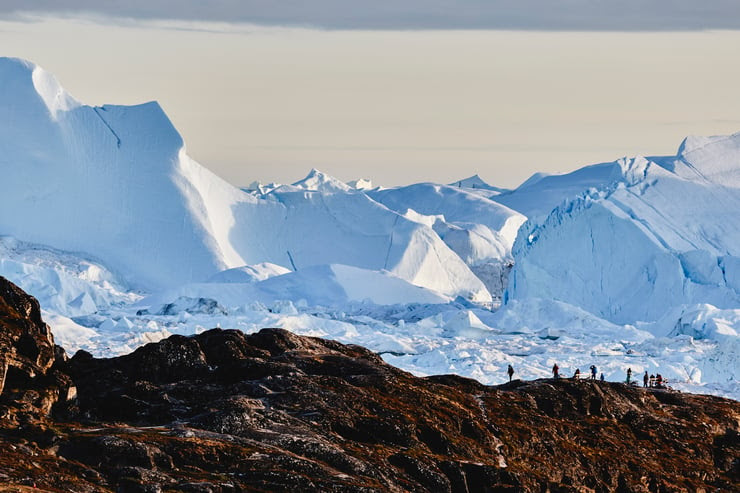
(399, 92)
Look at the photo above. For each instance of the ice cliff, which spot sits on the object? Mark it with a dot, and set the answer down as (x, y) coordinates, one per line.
(115, 183)
(654, 234)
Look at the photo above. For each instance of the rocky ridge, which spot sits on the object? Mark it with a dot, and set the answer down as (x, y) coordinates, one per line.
(223, 411)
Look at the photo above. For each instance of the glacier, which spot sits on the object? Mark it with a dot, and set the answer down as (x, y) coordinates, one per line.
(664, 232)
(116, 183)
(126, 240)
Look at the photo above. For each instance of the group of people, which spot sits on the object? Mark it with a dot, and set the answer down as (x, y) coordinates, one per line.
(556, 372)
(649, 381)
(577, 373)
(654, 381)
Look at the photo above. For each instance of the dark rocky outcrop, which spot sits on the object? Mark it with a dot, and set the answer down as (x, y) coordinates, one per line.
(30, 381)
(28, 346)
(227, 412)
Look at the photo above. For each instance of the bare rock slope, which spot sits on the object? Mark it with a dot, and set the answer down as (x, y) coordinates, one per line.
(226, 412)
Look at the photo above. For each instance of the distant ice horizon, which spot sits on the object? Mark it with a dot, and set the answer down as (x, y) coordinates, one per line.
(268, 104)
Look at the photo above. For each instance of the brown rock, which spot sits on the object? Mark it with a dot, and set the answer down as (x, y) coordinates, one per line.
(26, 341)
(227, 412)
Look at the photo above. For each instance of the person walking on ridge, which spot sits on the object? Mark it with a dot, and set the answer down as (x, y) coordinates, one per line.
(555, 371)
(593, 372)
(629, 375)
(645, 379)
(510, 372)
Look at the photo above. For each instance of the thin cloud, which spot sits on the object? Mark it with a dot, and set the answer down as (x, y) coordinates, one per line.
(585, 15)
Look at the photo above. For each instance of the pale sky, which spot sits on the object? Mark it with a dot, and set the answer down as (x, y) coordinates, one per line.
(269, 103)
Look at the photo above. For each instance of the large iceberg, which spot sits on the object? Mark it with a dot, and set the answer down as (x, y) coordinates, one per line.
(116, 183)
(661, 232)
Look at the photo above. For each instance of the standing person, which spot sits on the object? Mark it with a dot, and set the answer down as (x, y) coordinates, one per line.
(645, 379)
(593, 372)
(555, 371)
(510, 372)
(629, 375)
(602, 376)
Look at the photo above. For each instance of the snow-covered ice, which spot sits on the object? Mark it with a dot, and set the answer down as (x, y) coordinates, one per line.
(665, 232)
(125, 240)
(116, 183)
